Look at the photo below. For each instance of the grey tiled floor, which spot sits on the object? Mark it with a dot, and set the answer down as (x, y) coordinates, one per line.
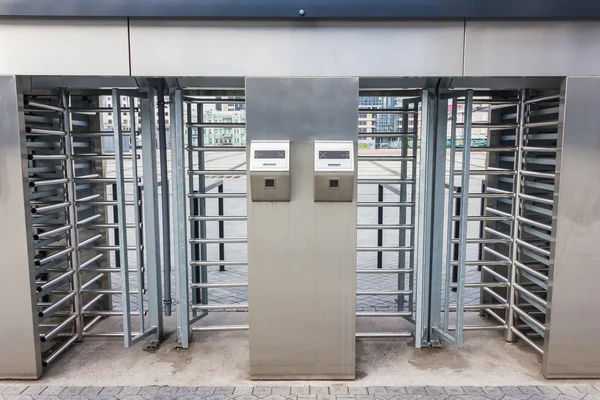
(337, 392)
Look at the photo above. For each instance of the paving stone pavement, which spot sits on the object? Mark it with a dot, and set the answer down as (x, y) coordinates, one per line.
(309, 392)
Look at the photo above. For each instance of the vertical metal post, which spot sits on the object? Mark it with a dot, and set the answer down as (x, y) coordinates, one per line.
(402, 211)
(380, 222)
(450, 254)
(221, 227)
(151, 219)
(454, 248)
(73, 232)
(122, 217)
(464, 212)
(180, 240)
(197, 294)
(164, 192)
(202, 201)
(19, 336)
(425, 219)
(137, 196)
(516, 211)
(482, 223)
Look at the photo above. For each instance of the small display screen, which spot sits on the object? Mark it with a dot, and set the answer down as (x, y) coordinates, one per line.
(262, 154)
(334, 155)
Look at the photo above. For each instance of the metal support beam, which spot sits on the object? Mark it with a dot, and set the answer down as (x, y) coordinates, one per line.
(151, 218)
(19, 337)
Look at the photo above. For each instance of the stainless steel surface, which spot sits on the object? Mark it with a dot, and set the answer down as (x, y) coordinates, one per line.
(261, 191)
(301, 254)
(19, 339)
(531, 48)
(571, 349)
(325, 48)
(343, 191)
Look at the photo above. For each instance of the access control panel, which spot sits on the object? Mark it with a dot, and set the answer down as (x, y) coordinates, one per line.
(270, 170)
(335, 175)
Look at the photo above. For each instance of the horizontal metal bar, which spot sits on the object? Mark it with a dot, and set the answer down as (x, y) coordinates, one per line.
(96, 110)
(475, 172)
(112, 226)
(50, 207)
(536, 199)
(217, 195)
(108, 334)
(217, 263)
(110, 203)
(383, 335)
(88, 219)
(46, 157)
(116, 248)
(59, 351)
(226, 172)
(385, 204)
(50, 233)
(215, 125)
(387, 134)
(530, 320)
(54, 256)
(219, 240)
(83, 179)
(385, 226)
(54, 332)
(43, 106)
(540, 124)
(91, 261)
(44, 131)
(48, 182)
(109, 291)
(92, 281)
(90, 240)
(385, 271)
(542, 99)
(494, 274)
(49, 311)
(483, 240)
(524, 338)
(385, 181)
(483, 285)
(193, 100)
(216, 148)
(491, 263)
(489, 126)
(488, 149)
(532, 271)
(385, 293)
(534, 223)
(112, 270)
(101, 156)
(219, 306)
(494, 232)
(386, 158)
(106, 313)
(397, 249)
(531, 295)
(215, 328)
(539, 149)
(495, 295)
(480, 328)
(218, 285)
(217, 218)
(534, 248)
(486, 195)
(43, 288)
(484, 218)
(98, 134)
(481, 307)
(386, 111)
(370, 314)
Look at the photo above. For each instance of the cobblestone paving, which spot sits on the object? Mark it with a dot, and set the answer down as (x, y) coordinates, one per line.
(336, 392)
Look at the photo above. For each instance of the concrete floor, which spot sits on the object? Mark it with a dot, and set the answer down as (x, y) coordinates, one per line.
(221, 359)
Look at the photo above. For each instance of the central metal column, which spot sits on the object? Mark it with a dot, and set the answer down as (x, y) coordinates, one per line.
(302, 253)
